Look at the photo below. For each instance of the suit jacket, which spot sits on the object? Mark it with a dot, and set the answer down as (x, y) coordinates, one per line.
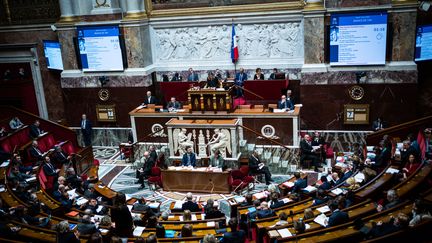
(34, 131)
(240, 78)
(212, 83)
(86, 229)
(175, 105)
(192, 159)
(238, 236)
(299, 184)
(214, 214)
(325, 186)
(378, 125)
(193, 77)
(265, 213)
(277, 204)
(286, 104)
(305, 148)
(35, 154)
(261, 77)
(148, 165)
(60, 158)
(345, 176)
(152, 100)
(122, 218)
(272, 76)
(153, 155)
(191, 206)
(49, 170)
(291, 99)
(337, 218)
(253, 163)
(87, 127)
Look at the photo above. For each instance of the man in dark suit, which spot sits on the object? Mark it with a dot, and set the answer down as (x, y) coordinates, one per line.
(145, 171)
(153, 153)
(337, 217)
(60, 157)
(86, 129)
(347, 173)
(307, 152)
(173, 104)
(86, 227)
(189, 158)
(234, 236)
(49, 168)
(289, 97)
(35, 152)
(190, 204)
(150, 99)
(326, 185)
(378, 124)
(300, 182)
(212, 81)
(239, 80)
(193, 77)
(283, 103)
(141, 206)
(257, 167)
(35, 130)
(273, 74)
(265, 211)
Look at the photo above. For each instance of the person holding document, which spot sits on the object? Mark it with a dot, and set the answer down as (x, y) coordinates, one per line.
(285, 104)
(308, 152)
(258, 167)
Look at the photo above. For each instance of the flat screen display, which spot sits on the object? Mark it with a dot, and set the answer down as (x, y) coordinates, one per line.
(53, 54)
(100, 49)
(423, 49)
(358, 39)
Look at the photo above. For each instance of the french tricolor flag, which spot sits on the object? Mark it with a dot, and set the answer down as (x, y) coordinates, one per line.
(234, 47)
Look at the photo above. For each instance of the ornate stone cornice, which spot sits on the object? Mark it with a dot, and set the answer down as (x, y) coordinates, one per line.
(227, 9)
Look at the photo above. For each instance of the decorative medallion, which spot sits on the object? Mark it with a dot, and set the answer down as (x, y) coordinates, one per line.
(104, 94)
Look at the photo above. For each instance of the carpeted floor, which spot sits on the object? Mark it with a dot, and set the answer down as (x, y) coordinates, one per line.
(121, 176)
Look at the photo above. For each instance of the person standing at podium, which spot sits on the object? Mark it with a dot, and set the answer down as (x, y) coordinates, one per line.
(150, 99)
(212, 81)
(189, 158)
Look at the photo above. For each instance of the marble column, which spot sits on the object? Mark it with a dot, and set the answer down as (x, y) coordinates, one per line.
(134, 8)
(404, 32)
(314, 38)
(66, 10)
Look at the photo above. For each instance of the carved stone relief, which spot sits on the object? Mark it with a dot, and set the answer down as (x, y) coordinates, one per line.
(256, 41)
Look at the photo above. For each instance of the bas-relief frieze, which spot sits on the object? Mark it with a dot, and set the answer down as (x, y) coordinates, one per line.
(115, 81)
(213, 43)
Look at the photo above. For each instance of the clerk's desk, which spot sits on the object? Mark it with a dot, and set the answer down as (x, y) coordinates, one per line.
(285, 125)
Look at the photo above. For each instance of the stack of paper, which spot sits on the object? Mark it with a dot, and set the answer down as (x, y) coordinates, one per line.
(392, 171)
(154, 205)
(31, 179)
(324, 209)
(284, 233)
(337, 191)
(100, 207)
(194, 217)
(178, 205)
(138, 231)
(80, 201)
(310, 188)
(288, 184)
(72, 194)
(260, 195)
(239, 199)
(321, 219)
(211, 224)
(130, 207)
(5, 164)
(286, 200)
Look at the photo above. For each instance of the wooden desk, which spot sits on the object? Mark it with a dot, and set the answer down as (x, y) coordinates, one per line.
(195, 181)
(210, 99)
(104, 190)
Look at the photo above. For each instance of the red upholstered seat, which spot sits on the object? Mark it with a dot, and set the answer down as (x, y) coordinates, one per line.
(239, 179)
(68, 148)
(6, 146)
(48, 141)
(155, 177)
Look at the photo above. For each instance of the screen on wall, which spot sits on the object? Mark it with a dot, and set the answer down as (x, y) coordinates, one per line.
(99, 48)
(53, 54)
(423, 49)
(358, 39)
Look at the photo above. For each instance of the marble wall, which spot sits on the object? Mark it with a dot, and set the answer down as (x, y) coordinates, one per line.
(114, 81)
(65, 37)
(354, 3)
(138, 49)
(314, 40)
(404, 29)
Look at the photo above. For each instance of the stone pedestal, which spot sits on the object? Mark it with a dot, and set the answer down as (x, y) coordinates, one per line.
(106, 7)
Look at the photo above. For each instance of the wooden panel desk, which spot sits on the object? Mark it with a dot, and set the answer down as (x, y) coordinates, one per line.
(195, 181)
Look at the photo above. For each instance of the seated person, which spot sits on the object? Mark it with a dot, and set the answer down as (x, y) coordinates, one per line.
(300, 182)
(325, 183)
(283, 219)
(337, 217)
(308, 152)
(189, 158)
(90, 192)
(258, 75)
(211, 210)
(320, 197)
(392, 201)
(60, 157)
(275, 202)
(248, 200)
(35, 130)
(187, 215)
(193, 76)
(283, 103)
(15, 174)
(258, 167)
(35, 152)
(15, 123)
(149, 99)
(49, 169)
(173, 104)
(177, 77)
(186, 231)
(141, 206)
(216, 160)
(252, 215)
(392, 225)
(93, 206)
(308, 214)
(212, 81)
(86, 227)
(190, 204)
(273, 74)
(73, 180)
(235, 235)
(420, 213)
(347, 173)
(265, 211)
(411, 166)
(62, 196)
